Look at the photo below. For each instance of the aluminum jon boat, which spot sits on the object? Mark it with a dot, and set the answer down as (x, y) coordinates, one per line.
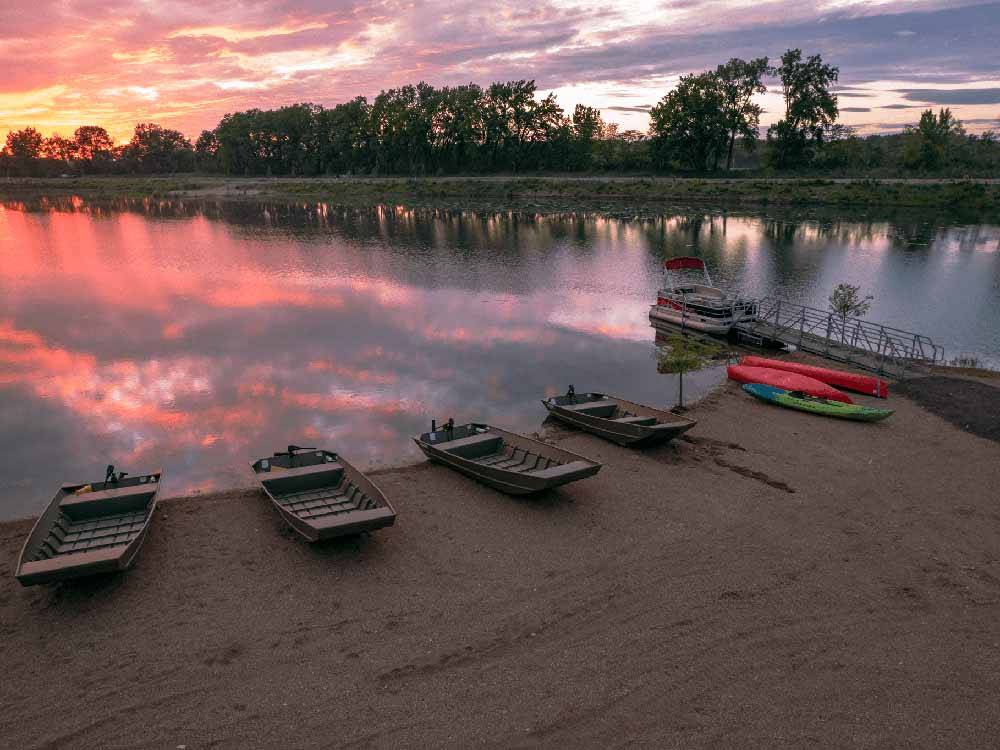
(90, 528)
(321, 495)
(616, 419)
(506, 461)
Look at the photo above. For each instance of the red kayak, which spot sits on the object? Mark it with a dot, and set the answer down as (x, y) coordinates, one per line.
(790, 381)
(865, 384)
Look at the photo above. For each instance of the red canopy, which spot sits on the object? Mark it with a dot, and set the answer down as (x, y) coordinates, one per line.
(687, 261)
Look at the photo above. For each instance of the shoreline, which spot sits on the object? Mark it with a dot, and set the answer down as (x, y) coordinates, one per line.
(215, 494)
(772, 579)
(977, 196)
(554, 432)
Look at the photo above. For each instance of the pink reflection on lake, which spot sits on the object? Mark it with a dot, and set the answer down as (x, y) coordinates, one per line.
(199, 336)
(198, 343)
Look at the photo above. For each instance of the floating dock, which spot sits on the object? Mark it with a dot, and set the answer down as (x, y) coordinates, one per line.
(855, 341)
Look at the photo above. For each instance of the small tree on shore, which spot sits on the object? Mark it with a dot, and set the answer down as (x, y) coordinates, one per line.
(846, 300)
(682, 354)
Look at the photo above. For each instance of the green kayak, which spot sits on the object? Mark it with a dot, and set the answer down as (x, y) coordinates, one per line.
(803, 402)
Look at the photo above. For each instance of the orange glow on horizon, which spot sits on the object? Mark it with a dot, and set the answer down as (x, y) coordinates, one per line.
(129, 62)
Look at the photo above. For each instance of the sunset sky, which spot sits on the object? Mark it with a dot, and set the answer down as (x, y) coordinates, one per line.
(184, 63)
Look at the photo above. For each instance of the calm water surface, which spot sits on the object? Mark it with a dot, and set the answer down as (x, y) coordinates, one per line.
(197, 336)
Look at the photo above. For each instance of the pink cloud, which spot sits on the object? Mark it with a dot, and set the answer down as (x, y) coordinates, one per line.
(185, 63)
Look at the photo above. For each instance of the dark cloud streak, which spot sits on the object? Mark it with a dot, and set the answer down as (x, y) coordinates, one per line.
(640, 108)
(952, 96)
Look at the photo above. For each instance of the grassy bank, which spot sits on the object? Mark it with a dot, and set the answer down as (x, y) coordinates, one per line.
(980, 196)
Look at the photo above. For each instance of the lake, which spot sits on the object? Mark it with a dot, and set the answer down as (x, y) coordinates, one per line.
(197, 336)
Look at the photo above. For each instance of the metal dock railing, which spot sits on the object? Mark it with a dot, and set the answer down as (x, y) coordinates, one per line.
(855, 341)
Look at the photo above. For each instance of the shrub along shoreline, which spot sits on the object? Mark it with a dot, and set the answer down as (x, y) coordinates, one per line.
(974, 197)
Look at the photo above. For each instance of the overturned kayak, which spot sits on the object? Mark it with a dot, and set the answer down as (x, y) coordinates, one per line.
(788, 381)
(613, 418)
(90, 528)
(850, 381)
(507, 461)
(321, 495)
(825, 407)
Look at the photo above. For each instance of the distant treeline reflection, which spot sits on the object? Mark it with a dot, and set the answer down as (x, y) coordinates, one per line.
(678, 231)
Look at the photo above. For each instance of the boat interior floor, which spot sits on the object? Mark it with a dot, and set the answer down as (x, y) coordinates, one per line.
(67, 536)
(494, 452)
(509, 458)
(610, 410)
(316, 502)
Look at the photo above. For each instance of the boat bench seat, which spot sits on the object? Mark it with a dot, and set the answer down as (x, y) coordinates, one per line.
(560, 470)
(645, 421)
(108, 502)
(474, 445)
(590, 405)
(58, 568)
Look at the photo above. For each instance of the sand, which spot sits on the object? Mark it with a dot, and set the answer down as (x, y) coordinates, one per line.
(776, 580)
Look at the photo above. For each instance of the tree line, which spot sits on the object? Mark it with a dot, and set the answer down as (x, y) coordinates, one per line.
(152, 150)
(709, 122)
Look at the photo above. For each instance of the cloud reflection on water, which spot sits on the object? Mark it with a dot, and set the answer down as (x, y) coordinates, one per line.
(197, 336)
(162, 335)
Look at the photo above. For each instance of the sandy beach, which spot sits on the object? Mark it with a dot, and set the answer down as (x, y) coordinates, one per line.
(773, 580)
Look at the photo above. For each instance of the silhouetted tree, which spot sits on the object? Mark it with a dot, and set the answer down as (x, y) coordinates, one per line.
(24, 149)
(292, 131)
(457, 129)
(206, 149)
(94, 148)
(588, 128)
(739, 81)
(689, 126)
(933, 141)
(514, 119)
(92, 141)
(156, 149)
(708, 118)
(810, 109)
(59, 149)
(344, 138)
(402, 120)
